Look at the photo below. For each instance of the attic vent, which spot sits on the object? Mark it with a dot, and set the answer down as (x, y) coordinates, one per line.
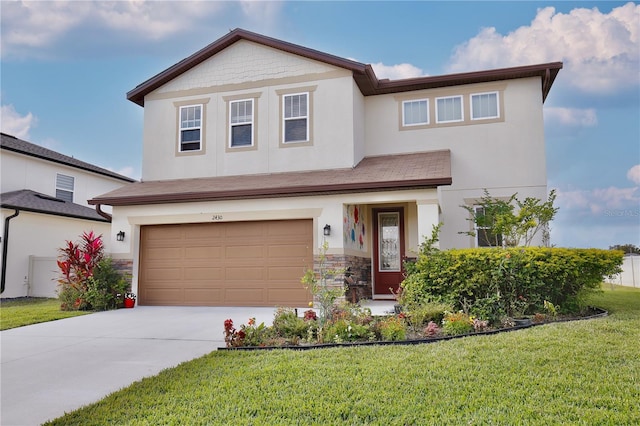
(49, 198)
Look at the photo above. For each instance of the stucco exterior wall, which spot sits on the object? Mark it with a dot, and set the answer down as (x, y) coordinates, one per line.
(326, 209)
(262, 74)
(19, 171)
(505, 156)
(39, 235)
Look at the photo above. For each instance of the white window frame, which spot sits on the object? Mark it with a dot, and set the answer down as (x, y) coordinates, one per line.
(414, 101)
(444, 98)
(485, 117)
(477, 228)
(241, 123)
(297, 117)
(198, 127)
(64, 191)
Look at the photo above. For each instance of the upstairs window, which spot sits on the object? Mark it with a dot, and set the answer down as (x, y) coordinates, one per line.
(64, 187)
(241, 123)
(449, 109)
(484, 106)
(190, 128)
(485, 237)
(296, 117)
(415, 113)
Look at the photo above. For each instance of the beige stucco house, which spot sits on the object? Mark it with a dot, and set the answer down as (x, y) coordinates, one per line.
(257, 151)
(43, 200)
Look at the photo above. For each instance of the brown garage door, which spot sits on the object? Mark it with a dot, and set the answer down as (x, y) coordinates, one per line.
(225, 264)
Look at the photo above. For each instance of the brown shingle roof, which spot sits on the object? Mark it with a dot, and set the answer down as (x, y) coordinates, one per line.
(31, 201)
(12, 143)
(391, 172)
(363, 74)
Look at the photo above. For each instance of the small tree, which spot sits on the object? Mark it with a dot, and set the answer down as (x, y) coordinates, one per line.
(323, 294)
(626, 248)
(511, 222)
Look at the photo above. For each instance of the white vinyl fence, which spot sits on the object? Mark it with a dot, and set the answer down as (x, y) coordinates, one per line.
(630, 276)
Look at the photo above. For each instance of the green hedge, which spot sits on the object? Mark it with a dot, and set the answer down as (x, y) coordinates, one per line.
(491, 283)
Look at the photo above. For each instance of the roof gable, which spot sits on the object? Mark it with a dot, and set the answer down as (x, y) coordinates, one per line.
(11, 143)
(242, 62)
(363, 74)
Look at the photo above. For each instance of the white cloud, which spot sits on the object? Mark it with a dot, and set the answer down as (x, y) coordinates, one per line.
(634, 174)
(598, 201)
(34, 28)
(396, 72)
(574, 117)
(599, 51)
(15, 124)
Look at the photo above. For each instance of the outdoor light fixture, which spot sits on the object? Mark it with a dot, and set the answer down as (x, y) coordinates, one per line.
(327, 230)
(120, 236)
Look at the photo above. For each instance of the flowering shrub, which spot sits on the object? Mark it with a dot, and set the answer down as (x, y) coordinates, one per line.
(432, 329)
(457, 323)
(233, 337)
(254, 334)
(480, 325)
(393, 328)
(88, 279)
(310, 315)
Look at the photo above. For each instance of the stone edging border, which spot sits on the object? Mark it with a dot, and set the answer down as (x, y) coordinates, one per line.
(599, 314)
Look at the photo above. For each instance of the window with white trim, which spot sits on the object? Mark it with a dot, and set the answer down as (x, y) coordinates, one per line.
(190, 128)
(241, 123)
(484, 106)
(296, 117)
(449, 109)
(415, 113)
(485, 237)
(64, 187)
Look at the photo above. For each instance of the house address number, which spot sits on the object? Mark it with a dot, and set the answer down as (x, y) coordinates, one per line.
(216, 217)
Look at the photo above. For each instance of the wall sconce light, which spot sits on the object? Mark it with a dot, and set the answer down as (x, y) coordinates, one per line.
(120, 236)
(327, 230)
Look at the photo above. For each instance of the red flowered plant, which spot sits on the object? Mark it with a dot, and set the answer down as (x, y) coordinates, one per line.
(232, 337)
(310, 315)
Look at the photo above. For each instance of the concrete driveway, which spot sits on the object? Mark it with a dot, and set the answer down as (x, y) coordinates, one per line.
(55, 367)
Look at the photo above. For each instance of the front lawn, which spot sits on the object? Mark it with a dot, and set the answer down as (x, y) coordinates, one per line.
(582, 372)
(32, 310)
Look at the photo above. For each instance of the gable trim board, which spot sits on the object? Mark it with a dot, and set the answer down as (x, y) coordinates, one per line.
(363, 74)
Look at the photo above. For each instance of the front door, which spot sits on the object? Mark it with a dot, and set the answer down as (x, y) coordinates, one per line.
(389, 250)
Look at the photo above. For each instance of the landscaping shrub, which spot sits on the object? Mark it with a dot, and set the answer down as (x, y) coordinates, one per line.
(457, 323)
(88, 280)
(419, 315)
(393, 328)
(288, 325)
(105, 287)
(490, 283)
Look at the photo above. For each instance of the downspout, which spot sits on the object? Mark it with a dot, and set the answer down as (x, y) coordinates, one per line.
(103, 214)
(5, 247)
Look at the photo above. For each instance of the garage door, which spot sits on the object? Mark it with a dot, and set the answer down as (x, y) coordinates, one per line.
(225, 264)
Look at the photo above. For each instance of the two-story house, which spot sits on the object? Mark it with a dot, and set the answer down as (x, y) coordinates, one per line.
(43, 197)
(257, 151)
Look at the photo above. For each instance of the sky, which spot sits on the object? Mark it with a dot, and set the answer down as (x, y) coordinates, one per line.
(66, 67)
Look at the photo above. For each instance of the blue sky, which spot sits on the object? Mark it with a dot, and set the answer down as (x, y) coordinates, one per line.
(66, 68)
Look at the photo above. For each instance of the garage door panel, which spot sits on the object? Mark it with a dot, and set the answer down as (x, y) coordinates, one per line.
(213, 253)
(163, 253)
(244, 252)
(226, 264)
(245, 296)
(161, 296)
(163, 274)
(240, 274)
(203, 296)
(203, 273)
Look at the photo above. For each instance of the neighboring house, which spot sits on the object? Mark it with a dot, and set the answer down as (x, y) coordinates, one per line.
(256, 151)
(44, 203)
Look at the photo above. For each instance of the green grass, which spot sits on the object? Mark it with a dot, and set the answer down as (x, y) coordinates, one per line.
(21, 312)
(583, 372)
